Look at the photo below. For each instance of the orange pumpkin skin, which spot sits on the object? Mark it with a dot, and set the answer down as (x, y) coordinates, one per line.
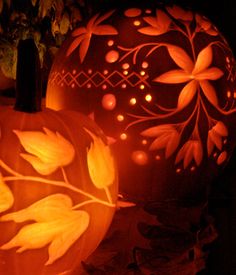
(161, 82)
(34, 199)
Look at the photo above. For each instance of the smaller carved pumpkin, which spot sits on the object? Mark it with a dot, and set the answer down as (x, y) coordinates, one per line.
(58, 183)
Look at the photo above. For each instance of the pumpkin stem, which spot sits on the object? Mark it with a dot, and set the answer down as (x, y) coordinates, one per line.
(28, 78)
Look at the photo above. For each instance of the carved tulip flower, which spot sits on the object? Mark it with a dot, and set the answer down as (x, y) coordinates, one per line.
(55, 224)
(191, 151)
(6, 197)
(100, 163)
(157, 25)
(194, 75)
(47, 151)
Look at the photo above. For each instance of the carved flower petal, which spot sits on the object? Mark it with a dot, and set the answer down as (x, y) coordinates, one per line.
(41, 167)
(84, 46)
(152, 21)
(181, 58)
(100, 163)
(179, 13)
(151, 31)
(197, 152)
(163, 20)
(210, 74)
(221, 129)
(76, 43)
(204, 60)
(6, 196)
(172, 144)
(187, 94)
(72, 229)
(173, 77)
(158, 130)
(52, 207)
(209, 92)
(105, 30)
(160, 142)
(104, 17)
(47, 148)
(215, 138)
(79, 31)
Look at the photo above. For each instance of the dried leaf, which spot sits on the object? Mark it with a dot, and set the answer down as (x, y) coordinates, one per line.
(34, 2)
(6, 197)
(173, 76)
(64, 23)
(1, 6)
(181, 58)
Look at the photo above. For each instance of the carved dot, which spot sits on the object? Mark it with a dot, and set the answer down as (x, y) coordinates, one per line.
(148, 98)
(157, 157)
(120, 118)
(227, 59)
(222, 157)
(74, 72)
(109, 102)
(104, 86)
(73, 85)
(140, 157)
(63, 71)
(105, 72)
(125, 72)
(144, 142)
(110, 43)
(133, 101)
(137, 23)
(141, 87)
(228, 94)
(145, 65)
(123, 136)
(62, 84)
(133, 12)
(234, 94)
(148, 11)
(225, 141)
(142, 73)
(192, 168)
(112, 56)
(123, 86)
(178, 170)
(89, 85)
(125, 66)
(90, 71)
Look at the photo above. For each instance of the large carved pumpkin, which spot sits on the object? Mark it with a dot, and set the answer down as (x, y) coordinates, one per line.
(161, 82)
(58, 183)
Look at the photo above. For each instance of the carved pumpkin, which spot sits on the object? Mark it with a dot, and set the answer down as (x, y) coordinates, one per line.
(58, 182)
(161, 82)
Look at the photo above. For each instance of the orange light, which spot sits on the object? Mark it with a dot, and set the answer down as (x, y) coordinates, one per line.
(144, 65)
(120, 118)
(137, 23)
(133, 101)
(139, 157)
(125, 72)
(110, 43)
(123, 136)
(142, 73)
(142, 87)
(125, 66)
(144, 141)
(148, 98)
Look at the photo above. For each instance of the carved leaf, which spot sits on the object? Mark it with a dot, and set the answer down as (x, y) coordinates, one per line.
(181, 58)
(221, 129)
(59, 230)
(209, 92)
(152, 21)
(6, 196)
(172, 144)
(187, 94)
(47, 151)
(104, 17)
(173, 76)
(100, 163)
(79, 31)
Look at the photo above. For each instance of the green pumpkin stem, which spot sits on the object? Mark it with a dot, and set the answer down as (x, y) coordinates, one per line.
(28, 78)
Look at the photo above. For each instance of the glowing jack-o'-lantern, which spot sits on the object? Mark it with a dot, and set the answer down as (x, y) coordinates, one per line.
(161, 83)
(58, 182)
